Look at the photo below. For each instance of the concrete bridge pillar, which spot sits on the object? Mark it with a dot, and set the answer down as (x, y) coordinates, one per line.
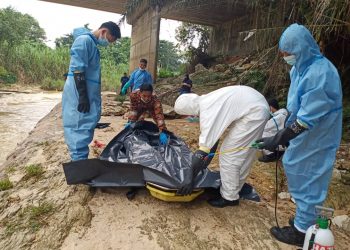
(145, 40)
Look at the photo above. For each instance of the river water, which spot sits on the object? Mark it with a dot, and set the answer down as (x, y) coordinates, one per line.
(19, 113)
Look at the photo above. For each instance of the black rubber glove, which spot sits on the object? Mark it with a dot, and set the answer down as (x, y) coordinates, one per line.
(186, 189)
(80, 82)
(281, 138)
(199, 160)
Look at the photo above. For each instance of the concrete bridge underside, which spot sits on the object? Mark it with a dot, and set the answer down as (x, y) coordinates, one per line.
(225, 18)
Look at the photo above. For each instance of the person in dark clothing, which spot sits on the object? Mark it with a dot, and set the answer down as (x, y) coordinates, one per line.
(123, 81)
(186, 85)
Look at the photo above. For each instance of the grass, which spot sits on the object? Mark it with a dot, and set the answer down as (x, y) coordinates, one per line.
(34, 170)
(32, 218)
(43, 143)
(5, 184)
(120, 98)
(37, 215)
(11, 169)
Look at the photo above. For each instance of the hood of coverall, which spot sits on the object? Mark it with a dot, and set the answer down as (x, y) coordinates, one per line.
(83, 31)
(297, 40)
(187, 104)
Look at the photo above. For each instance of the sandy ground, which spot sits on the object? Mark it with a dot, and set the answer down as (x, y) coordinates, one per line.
(81, 218)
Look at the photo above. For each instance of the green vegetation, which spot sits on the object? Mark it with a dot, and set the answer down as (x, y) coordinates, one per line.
(34, 170)
(120, 98)
(11, 169)
(7, 77)
(5, 184)
(32, 218)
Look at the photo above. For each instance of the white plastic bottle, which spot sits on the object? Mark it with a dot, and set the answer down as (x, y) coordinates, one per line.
(310, 237)
(319, 236)
(324, 239)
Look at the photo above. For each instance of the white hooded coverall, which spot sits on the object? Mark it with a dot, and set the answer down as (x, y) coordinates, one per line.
(244, 112)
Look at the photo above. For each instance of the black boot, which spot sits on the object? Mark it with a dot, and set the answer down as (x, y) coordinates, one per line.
(221, 202)
(289, 235)
(291, 221)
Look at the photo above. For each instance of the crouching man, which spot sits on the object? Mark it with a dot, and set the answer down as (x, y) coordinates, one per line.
(243, 112)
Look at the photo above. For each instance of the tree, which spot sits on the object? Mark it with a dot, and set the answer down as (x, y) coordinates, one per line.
(16, 28)
(119, 53)
(68, 39)
(168, 56)
(194, 38)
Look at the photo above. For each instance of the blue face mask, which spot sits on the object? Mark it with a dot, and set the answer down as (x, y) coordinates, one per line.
(102, 41)
(291, 60)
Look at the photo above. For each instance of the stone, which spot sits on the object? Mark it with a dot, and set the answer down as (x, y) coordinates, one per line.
(336, 174)
(228, 72)
(239, 69)
(342, 221)
(247, 66)
(220, 67)
(169, 112)
(345, 178)
(284, 196)
(199, 67)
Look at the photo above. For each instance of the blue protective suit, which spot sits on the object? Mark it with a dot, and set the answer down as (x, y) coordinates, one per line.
(138, 77)
(314, 99)
(79, 127)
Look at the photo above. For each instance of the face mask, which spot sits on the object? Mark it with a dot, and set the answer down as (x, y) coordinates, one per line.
(291, 60)
(102, 41)
(145, 101)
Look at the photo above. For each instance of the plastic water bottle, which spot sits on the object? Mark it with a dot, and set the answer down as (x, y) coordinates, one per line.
(319, 236)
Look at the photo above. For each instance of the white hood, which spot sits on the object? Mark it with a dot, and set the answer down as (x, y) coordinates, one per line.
(187, 104)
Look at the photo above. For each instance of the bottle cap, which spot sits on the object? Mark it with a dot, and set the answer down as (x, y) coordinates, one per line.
(323, 223)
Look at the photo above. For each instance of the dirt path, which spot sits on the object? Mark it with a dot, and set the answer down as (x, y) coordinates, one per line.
(42, 212)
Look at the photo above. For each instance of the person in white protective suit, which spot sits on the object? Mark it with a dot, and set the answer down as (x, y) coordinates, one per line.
(273, 125)
(243, 112)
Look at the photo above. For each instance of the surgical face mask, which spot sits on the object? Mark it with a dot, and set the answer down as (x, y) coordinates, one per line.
(103, 41)
(291, 60)
(146, 96)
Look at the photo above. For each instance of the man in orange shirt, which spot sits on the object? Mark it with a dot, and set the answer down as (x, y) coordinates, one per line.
(142, 101)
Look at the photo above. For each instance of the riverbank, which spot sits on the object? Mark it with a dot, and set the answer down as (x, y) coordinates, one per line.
(41, 212)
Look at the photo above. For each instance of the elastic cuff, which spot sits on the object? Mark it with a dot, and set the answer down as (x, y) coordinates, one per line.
(298, 228)
(204, 149)
(302, 124)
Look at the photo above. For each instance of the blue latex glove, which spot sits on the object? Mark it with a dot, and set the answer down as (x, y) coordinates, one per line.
(163, 138)
(128, 124)
(125, 88)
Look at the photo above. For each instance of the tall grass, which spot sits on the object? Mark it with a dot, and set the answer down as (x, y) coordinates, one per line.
(44, 66)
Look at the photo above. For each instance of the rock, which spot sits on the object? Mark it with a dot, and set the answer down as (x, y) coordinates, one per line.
(228, 72)
(126, 104)
(239, 69)
(247, 66)
(345, 178)
(220, 67)
(113, 111)
(199, 67)
(169, 112)
(284, 196)
(336, 174)
(342, 221)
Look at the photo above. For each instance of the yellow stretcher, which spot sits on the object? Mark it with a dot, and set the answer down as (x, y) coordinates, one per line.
(169, 195)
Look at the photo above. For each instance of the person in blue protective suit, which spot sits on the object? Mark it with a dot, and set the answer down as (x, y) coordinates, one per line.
(81, 98)
(313, 129)
(138, 77)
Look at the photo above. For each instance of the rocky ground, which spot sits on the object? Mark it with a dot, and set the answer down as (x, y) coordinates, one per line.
(38, 210)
